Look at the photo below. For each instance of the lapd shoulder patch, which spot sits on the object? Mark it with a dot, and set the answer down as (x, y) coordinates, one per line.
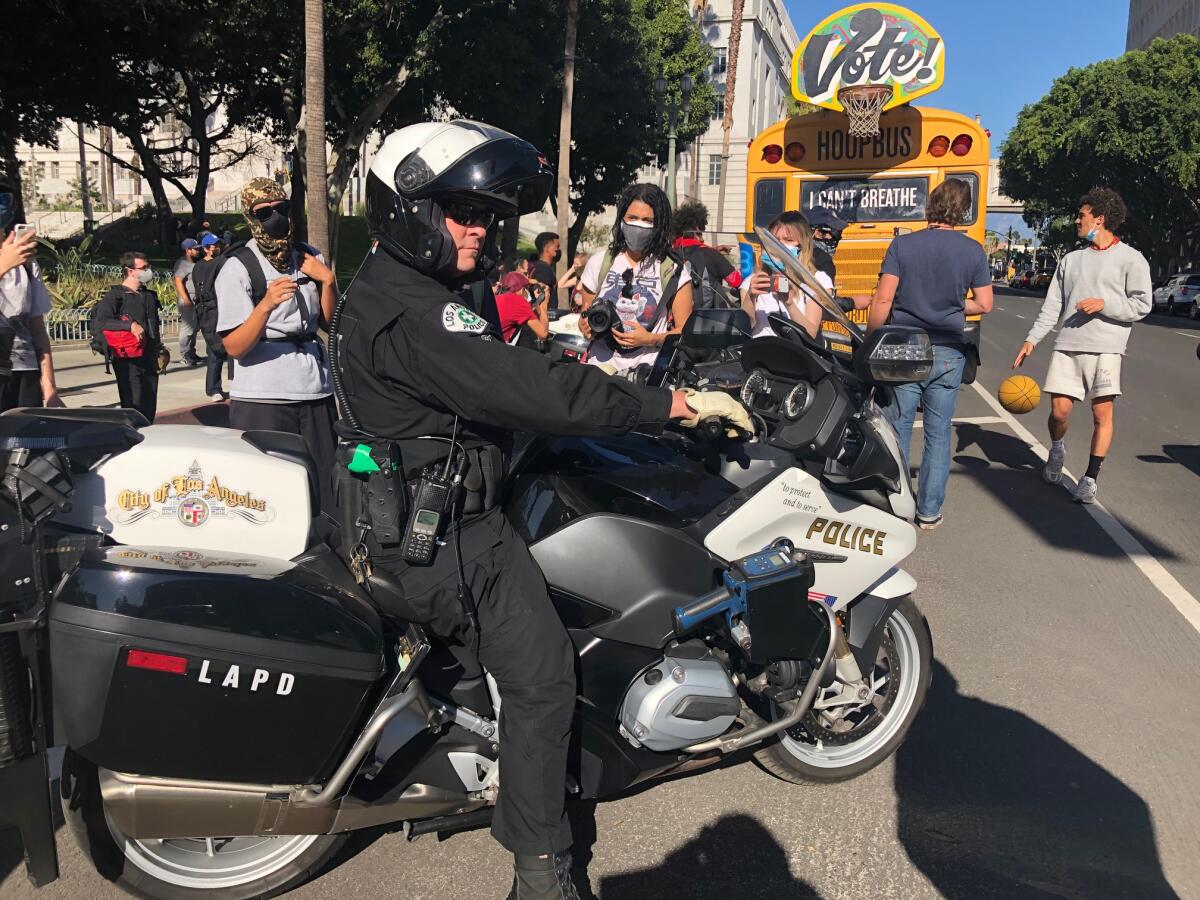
(456, 317)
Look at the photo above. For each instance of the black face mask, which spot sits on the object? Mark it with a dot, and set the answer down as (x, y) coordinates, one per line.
(827, 245)
(276, 225)
(557, 256)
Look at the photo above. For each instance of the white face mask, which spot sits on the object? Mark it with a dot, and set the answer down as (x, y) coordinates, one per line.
(146, 275)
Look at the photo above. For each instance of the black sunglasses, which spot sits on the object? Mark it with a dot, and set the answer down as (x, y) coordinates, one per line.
(627, 288)
(262, 213)
(467, 215)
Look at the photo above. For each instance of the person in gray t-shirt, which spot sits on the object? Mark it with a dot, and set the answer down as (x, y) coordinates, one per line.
(281, 376)
(181, 276)
(24, 302)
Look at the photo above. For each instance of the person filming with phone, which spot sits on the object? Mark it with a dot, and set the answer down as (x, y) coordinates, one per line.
(24, 302)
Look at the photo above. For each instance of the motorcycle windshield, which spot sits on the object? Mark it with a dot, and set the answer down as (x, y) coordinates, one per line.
(798, 275)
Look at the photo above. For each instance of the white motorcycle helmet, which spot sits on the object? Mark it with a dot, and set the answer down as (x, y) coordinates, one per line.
(421, 167)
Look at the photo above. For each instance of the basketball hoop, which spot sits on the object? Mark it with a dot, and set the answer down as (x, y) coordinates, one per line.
(863, 104)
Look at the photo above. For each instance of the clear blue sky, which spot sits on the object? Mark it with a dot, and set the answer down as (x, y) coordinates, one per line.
(1001, 56)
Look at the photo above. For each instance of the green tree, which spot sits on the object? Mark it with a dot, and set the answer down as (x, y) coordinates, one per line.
(1131, 123)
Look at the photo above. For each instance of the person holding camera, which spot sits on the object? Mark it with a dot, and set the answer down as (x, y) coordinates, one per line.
(636, 293)
(768, 291)
(273, 294)
(516, 310)
(132, 306)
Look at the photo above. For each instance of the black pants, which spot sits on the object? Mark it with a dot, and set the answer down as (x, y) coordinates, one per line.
(215, 362)
(23, 389)
(523, 644)
(137, 384)
(311, 419)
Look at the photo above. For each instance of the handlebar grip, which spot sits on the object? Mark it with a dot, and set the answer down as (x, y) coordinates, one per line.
(710, 428)
(688, 617)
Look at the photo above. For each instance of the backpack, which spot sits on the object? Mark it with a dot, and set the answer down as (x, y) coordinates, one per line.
(706, 292)
(204, 286)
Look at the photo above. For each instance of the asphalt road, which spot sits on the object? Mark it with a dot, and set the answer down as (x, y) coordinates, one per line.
(1056, 753)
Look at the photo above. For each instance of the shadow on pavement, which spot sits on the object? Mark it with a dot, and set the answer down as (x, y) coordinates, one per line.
(1185, 455)
(733, 857)
(993, 805)
(1176, 322)
(1012, 473)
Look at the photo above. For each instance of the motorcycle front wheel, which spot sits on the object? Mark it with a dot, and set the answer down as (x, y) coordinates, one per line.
(219, 868)
(837, 743)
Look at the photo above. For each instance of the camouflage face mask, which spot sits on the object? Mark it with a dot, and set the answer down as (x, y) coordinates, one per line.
(277, 250)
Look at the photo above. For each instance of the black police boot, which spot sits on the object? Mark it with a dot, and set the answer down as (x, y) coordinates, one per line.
(545, 877)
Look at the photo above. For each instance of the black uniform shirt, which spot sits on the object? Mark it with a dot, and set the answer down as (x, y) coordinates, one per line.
(413, 357)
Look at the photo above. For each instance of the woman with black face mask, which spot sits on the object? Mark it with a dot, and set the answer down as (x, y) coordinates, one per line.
(649, 289)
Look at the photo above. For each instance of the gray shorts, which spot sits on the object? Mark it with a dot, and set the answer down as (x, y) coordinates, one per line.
(1084, 376)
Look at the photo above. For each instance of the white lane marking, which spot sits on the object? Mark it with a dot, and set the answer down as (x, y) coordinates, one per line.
(1018, 315)
(1190, 334)
(969, 420)
(1166, 584)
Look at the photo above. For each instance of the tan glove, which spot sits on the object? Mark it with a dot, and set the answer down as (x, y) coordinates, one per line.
(717, 403)
(605, 368)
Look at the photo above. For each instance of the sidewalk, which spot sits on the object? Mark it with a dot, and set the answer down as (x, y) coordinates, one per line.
(83, 382)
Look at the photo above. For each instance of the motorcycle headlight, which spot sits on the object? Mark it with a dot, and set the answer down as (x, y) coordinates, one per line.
(895, 355)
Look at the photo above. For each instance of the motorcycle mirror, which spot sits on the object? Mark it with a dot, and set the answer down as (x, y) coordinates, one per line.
(716, 329)
(798, 275)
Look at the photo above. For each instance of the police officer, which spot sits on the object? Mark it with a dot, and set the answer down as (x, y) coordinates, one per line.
(421, 376)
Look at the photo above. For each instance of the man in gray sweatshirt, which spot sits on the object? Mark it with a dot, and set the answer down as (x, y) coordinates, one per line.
(1096, 296)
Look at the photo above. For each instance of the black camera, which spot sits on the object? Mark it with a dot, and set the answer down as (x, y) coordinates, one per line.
(602, 317)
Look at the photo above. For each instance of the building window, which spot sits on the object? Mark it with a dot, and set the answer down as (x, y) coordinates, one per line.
(714, 168)
(40, 169)
(719, 107)
(94, 172)
(720, 63)
(54, 171)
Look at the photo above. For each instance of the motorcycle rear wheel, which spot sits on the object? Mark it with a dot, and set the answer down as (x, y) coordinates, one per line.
(187, 869)
(800, 756)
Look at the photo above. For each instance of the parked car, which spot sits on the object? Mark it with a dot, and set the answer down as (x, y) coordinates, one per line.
(1178, 294)
(1041, 281)
(1021, 279)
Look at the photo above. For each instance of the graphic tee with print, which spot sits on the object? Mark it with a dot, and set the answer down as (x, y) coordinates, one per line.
(21, 297)
(646, 287)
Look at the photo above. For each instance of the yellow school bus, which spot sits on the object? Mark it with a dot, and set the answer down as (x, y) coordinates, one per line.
(863, 66)
(880, 186)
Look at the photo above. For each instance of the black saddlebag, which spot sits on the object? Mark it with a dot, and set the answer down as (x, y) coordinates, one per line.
(193, 665)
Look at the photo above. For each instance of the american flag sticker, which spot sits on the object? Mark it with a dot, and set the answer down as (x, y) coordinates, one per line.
(827, 599)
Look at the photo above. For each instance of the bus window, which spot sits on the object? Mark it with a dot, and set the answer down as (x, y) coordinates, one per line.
(972, 180)
(768, 201)
(898, 199)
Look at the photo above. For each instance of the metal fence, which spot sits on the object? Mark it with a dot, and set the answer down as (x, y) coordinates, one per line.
(67, 326)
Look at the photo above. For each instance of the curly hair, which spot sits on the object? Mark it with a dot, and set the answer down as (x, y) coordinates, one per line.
(949, 203)
(691, 218)
(1106, 202)
(653, 196)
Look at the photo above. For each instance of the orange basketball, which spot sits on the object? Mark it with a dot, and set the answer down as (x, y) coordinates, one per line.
(1019, 394)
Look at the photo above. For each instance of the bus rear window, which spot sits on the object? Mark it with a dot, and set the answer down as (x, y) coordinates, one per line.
(869, 200)
(972, 181)
(768, 201)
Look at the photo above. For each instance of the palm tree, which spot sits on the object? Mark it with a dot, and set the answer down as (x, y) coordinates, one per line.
(735, 41)
(315, 177)
(564, 139)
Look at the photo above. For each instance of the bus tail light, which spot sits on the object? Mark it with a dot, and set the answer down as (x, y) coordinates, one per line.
(794, 152)
(961, 145)
(939, 145)
(772, 153)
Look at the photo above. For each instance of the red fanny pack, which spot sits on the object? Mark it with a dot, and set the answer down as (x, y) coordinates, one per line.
(124, 344)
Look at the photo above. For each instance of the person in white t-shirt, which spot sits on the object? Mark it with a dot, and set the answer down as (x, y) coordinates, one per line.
(761, 294)
(639, 271)
(24, 302)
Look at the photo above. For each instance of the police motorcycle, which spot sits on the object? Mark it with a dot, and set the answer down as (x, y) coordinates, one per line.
(231, 717)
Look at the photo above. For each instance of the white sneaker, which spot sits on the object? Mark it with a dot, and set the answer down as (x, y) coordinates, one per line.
(1086, 491)
(1052, 473)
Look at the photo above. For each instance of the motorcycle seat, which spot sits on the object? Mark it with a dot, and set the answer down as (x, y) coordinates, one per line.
(102, 415)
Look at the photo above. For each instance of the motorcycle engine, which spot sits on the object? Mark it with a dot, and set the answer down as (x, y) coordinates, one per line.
(686, 698)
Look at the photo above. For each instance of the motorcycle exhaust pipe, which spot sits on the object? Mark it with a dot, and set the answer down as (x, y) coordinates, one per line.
(745, 738)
